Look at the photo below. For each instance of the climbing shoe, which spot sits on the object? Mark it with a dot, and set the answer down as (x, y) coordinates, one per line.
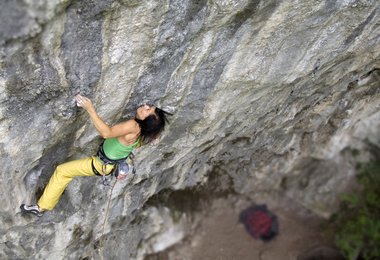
(34, 209)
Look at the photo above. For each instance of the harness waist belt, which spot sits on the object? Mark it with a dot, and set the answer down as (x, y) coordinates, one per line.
(94, 169)
(103, 157)
(117, 163)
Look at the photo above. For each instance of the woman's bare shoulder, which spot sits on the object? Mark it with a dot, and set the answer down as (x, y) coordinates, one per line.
(132, 129)
(132, 124)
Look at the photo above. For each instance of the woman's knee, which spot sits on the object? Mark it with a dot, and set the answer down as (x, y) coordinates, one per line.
(59, 169)
(62, 171)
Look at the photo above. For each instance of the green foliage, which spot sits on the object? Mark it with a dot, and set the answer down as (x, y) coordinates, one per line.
(358, 234)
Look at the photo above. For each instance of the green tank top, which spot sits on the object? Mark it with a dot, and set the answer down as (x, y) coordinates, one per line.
(115, 150)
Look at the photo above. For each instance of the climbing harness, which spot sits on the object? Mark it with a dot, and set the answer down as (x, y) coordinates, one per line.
(121, 166)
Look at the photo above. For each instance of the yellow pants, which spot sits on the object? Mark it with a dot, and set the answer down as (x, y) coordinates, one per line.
(62, 176)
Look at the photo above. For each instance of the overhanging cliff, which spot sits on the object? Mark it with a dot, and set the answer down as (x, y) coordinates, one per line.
(270, 95)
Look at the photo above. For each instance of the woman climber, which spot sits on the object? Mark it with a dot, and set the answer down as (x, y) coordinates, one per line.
(120, 140)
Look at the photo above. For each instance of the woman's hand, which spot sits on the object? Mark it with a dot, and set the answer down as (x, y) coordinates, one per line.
(84, 102)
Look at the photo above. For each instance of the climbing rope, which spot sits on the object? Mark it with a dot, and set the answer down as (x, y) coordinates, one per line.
(101, 246)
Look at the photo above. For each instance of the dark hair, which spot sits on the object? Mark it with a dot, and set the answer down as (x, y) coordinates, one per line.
(152, 125)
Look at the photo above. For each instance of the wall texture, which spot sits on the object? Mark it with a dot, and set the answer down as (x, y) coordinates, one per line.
(270, 96)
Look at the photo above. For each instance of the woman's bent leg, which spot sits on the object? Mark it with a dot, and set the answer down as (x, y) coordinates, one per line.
(62, 176)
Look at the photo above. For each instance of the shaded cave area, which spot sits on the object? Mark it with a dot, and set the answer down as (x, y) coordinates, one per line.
(212, 211)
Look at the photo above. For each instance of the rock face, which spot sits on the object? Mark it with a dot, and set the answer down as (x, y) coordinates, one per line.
(269, 96)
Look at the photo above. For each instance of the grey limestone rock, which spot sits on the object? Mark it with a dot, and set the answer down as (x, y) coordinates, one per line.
(269, 96)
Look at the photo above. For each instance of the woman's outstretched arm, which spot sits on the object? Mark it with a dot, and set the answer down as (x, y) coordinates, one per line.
(104, 130)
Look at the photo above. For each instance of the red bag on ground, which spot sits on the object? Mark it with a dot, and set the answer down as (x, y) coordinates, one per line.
(259, 222)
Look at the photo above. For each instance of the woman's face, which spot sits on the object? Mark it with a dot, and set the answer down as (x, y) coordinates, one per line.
(144, 111)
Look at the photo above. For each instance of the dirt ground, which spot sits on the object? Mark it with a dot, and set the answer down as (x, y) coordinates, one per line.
(220, 236)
